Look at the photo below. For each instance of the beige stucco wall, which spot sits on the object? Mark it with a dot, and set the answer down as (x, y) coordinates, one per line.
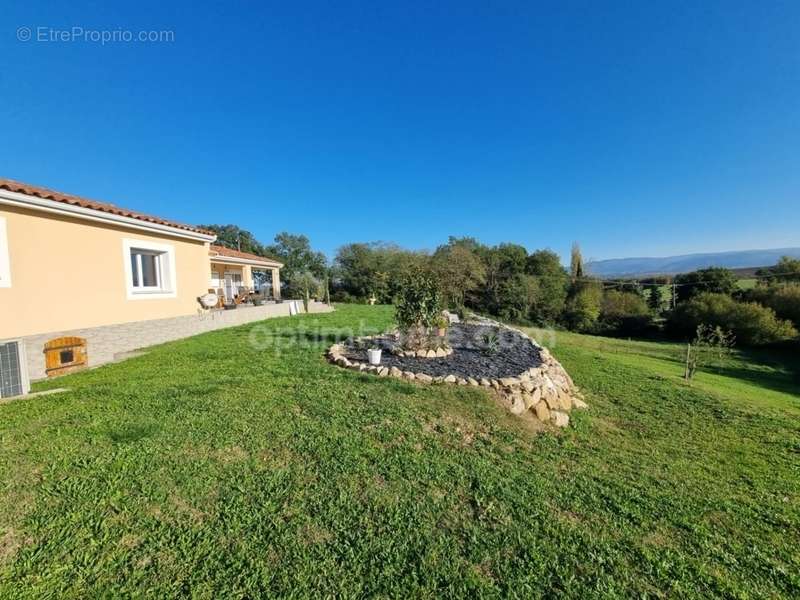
(68, 273)
(243, 270)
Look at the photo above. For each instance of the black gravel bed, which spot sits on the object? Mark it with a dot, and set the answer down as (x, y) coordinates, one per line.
(516, 354)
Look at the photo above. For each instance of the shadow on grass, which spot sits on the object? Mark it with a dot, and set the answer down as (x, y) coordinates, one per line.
(132, 433)
(782, 373)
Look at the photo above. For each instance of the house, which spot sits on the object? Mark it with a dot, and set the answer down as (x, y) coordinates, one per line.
(232, 270)
(83, 283)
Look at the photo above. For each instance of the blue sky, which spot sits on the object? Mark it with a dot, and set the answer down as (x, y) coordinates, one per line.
(635, 128)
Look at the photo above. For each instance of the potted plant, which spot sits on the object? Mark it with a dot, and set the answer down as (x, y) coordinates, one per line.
(374, 355)
(441, 325)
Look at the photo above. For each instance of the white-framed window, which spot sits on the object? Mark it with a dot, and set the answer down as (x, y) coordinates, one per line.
(149, 269)
(5, 261)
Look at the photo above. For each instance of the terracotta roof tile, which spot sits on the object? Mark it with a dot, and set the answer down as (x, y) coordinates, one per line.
(48, 194)
(231, 253)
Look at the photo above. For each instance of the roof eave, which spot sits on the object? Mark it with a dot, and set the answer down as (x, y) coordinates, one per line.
(52, 206)
(245, 261)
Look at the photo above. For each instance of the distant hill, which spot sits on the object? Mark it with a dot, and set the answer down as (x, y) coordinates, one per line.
(672, 265)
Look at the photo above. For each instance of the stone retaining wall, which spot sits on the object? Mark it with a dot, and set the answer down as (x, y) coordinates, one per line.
(546, 391)
(105, 343)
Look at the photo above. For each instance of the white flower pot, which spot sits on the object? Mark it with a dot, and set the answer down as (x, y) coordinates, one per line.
(374, 356)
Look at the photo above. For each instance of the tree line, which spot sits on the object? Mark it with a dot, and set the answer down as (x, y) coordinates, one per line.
(508, 282)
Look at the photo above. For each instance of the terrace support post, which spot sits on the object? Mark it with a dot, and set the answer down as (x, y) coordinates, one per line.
(276, 284)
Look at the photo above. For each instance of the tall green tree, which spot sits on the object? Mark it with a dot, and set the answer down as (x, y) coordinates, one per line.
(296, 254)
(503, 263)
(552, 283)
(714, 280)
(655, 300)
(787, 270)
(517, 295)
(236, 238)
(458, 270)
(624, 313)
(576, 268)
(366, 270)
(584, 305)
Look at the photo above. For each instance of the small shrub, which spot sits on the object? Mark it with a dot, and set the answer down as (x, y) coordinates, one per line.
(418, 303)
(624, 313)
(305, 284)
(343, 297)
(751, 323)
(709, 342)
(783, 299)
(491, 343)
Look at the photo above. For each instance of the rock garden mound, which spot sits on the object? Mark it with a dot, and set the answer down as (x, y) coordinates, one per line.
(524, 374)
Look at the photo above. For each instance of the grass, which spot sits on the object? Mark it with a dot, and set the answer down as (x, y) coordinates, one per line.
(747, 284)
(214, 468)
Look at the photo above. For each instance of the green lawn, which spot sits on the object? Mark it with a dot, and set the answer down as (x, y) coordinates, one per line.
(214, 469)
(747, 284)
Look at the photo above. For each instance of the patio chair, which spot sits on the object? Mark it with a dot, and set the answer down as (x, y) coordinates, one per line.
(220, 294)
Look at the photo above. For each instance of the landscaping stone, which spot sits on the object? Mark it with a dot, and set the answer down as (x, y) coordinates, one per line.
(559, 419)
(523, 375)
(542, 412)
(537, 395)
(517, 404)
(565, 401)
(529, 400)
